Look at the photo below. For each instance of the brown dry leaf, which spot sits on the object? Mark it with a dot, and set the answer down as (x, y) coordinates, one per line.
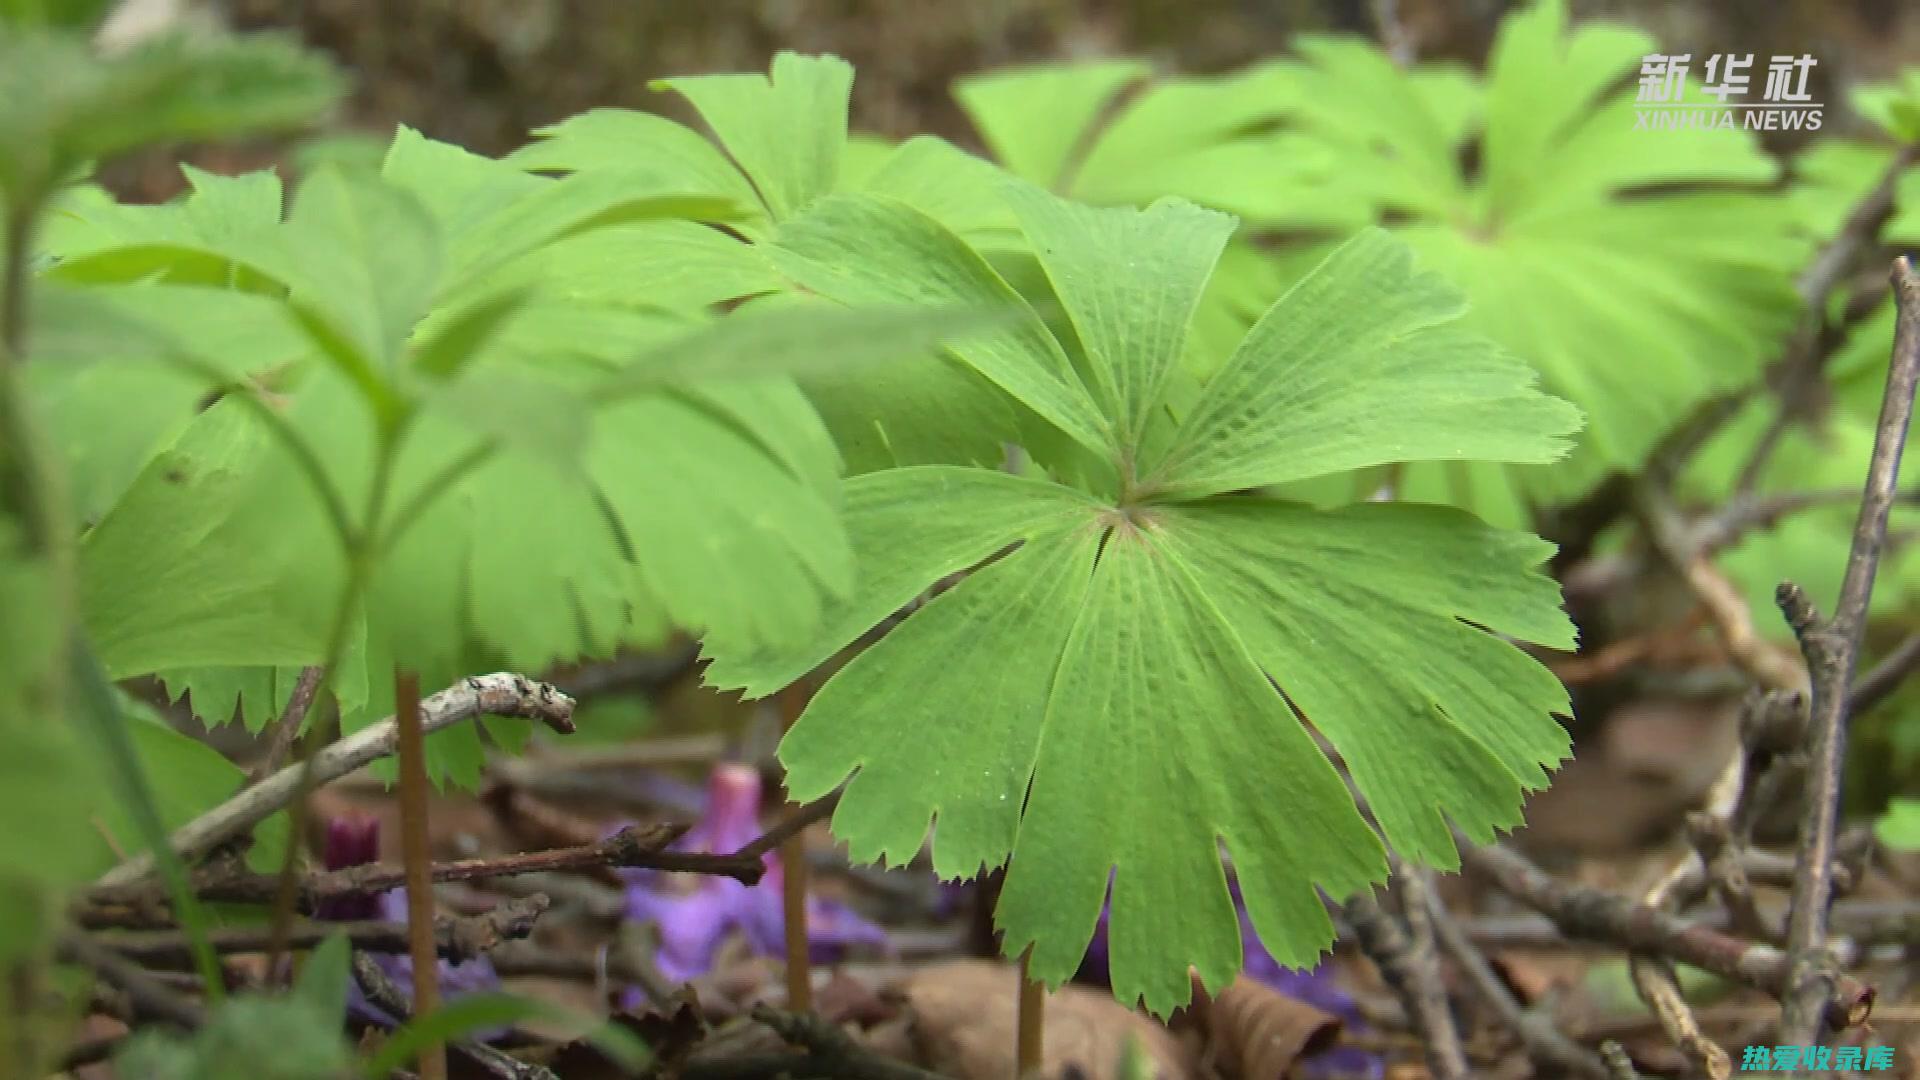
(845, 999)
(1258, 1033)
(962, 1025)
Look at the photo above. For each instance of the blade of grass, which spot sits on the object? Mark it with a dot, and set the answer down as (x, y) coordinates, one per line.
(99, 707)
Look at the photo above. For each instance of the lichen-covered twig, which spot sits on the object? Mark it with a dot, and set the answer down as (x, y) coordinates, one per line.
(1619, 1065)
(482, 695)
(1832, 649)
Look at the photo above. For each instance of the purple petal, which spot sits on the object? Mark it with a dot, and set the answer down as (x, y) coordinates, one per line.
(692, 926)
(833, 929)
(694, 923)
(733, 807)
(352, 840)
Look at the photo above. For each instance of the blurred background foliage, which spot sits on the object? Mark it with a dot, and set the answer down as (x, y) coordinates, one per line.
(482, 73)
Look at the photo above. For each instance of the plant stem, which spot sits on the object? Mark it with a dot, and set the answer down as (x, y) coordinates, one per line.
(415, 853)
(358, 570)
(1029, 1047)
(1832, 650)
(793, 885)
(361, 547)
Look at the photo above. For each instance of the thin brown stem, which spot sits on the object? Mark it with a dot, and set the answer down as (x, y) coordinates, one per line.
(1832, 650)
(793, 885)
(1030, 1036)
(286, 730)
(417, 857)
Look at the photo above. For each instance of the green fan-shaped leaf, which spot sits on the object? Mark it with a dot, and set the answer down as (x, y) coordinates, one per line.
(1095, 700)
(1366, 375)
(786, 129)
(873, 250)
(191, 568)
(118, 372)
(1638, 271)
(1633, 303)
(667, 454)
(788, 134)
(1113, 134)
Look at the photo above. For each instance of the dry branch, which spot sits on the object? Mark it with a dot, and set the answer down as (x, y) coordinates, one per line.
(458, 939)
(1585, 914)
(1832, 649)
(382, 992)
(1544, 1041)
(1411, 969)
(482, 695)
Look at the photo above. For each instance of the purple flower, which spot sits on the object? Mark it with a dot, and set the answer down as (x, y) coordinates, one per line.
(355, 841)
(1316, 987)
(695, 921)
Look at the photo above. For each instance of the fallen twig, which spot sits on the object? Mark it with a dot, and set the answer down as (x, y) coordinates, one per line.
(1762, 661)
(1411, 970)
(150, 996)
(1619, 1065)
(1543, 1040)
(382, 992)
(1589, 914)
(1745, 514)
(1831, 650)
(481, 695)
(458, 939)
(637, 846)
